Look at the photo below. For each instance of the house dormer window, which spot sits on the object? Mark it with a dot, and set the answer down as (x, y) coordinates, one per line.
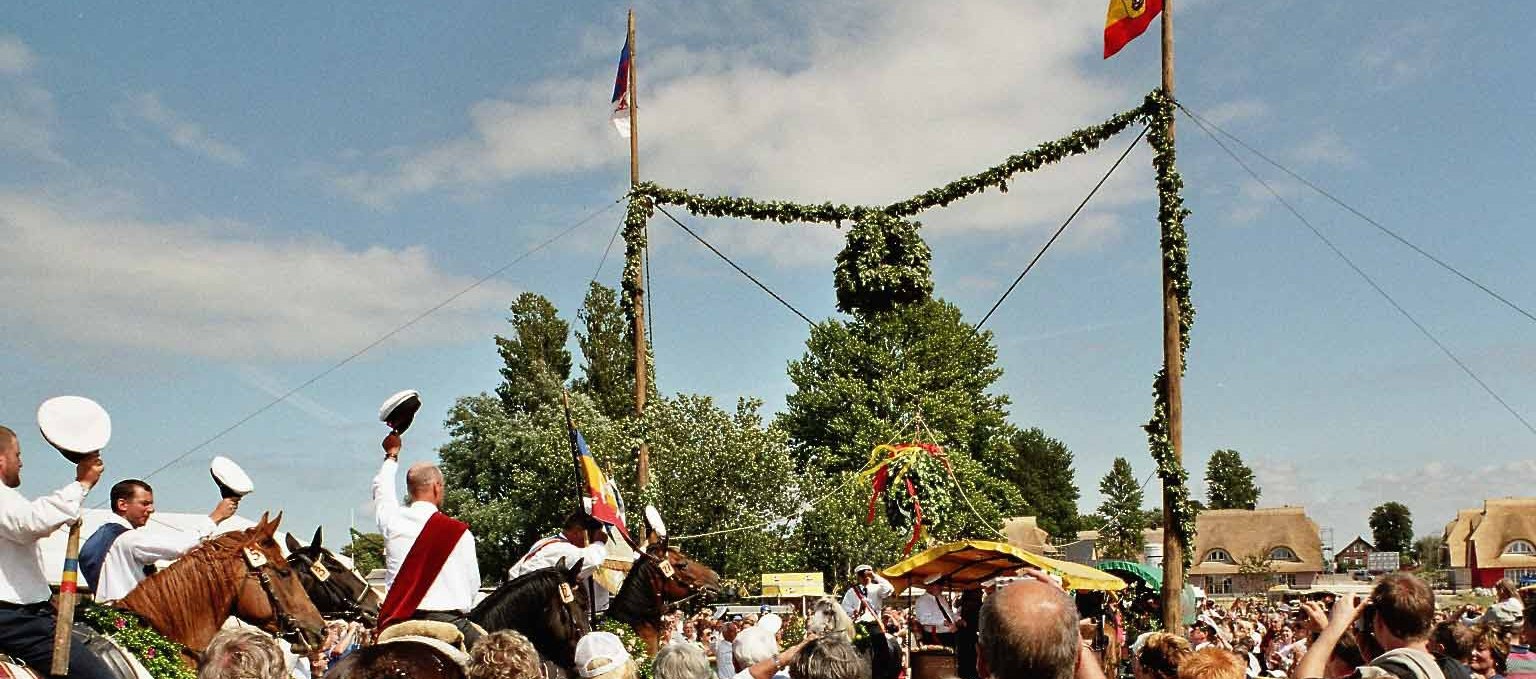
(1520, 547)
(1283, 554)
(1218, 555)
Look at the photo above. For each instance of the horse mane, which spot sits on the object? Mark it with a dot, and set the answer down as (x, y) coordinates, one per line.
(638, 599)
(530, 590)
(169, 597)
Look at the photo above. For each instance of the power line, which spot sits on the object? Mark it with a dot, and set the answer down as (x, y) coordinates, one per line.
(1308, 183)
(1370, 281)
(738, 268)
(385, 337)
(599, 271)
(1059, 230)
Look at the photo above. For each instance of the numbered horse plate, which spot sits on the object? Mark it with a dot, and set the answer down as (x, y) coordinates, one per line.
(566, 595)
(666, 569)
(254, 558)
(320, 572)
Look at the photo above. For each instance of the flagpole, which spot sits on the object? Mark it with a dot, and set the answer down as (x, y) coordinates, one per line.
(637, 297)
(1173, 368)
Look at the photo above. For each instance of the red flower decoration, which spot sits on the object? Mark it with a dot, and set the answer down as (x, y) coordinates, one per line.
(149, 652)
(120, 623)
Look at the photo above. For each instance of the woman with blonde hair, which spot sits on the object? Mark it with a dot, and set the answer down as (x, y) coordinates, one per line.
(504, 655)
(1159, 656)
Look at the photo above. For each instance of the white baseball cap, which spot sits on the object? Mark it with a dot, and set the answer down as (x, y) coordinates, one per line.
(599, 646)
(863, 567)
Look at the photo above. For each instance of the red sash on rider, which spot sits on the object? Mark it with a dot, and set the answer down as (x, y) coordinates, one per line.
(422, 564)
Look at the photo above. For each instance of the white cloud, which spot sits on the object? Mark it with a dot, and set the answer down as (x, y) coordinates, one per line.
(186, 135)
(211, 289)
(271, 386)
(908, 97)
(26, 110)
(1399, 52)
(1325, 148)
(1234, 111)
(15, 57)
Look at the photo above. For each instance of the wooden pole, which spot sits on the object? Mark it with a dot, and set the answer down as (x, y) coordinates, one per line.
(637, 298)
(1173, 368)
(65, 619)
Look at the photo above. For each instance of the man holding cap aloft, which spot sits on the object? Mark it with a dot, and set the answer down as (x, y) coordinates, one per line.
(114, 558)
(866, 598)
(27, 618)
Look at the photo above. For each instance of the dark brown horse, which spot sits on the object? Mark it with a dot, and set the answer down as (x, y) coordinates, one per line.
(660, 577)
(241, 574)
(336, 590)
(548, 606)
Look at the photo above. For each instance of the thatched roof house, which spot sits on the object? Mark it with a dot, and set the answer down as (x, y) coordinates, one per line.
(1282, 542)
(1495, 542)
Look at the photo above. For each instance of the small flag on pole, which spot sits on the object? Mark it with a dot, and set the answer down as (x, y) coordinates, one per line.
(1126, 20)
(599, 497)
(621, 91)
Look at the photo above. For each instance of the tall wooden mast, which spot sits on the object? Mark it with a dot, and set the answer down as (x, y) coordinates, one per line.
(637, 286)
(1173, 372)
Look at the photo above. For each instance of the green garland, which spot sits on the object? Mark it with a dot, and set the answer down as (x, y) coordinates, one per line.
(161, 656)
(886, 263)
(1175, 247)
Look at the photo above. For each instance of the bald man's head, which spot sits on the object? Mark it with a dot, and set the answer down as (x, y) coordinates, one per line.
(424, 483)
(1028, 629)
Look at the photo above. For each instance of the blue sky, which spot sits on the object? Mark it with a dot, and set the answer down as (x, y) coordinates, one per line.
(201, 208)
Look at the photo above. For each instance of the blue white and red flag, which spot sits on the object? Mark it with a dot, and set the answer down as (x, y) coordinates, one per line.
(621, 101)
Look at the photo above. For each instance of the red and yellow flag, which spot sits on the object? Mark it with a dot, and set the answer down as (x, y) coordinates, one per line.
(1126, 20)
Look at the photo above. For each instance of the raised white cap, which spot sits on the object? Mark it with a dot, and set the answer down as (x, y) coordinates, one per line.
(75, 425)
(230, 477)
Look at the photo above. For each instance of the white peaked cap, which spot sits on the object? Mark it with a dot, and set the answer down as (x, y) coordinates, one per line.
(74, 424)
(229, 475)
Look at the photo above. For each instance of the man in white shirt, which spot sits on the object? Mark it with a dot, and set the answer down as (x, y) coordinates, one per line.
(581, 538)
(936, 616)
(125, 553)
(26, 617)
(452, 592)
(866, 598)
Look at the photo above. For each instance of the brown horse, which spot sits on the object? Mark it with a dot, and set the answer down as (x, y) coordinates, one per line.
(651, 588)
(241, 574)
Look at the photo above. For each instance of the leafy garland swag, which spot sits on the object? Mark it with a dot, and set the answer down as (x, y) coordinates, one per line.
(885, 262)
(161, 656)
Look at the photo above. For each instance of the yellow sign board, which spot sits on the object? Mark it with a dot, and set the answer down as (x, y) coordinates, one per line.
(792, 584)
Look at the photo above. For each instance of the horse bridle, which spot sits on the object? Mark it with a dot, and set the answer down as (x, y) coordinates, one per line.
(287, 625)
(667, 571)
(351, 607)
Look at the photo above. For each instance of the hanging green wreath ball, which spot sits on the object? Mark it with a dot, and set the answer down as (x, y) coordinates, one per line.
(883, 265)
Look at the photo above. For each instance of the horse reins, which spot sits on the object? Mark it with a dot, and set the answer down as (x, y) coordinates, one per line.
(351, 607)
(287, 625)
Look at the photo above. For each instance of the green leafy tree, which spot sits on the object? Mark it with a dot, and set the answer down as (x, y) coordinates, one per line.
(535, 361)
(1124, 519)
(713, 469)
(1259, 571)
(1229, 483)
(511, 476)
(366, 550)
(1392, 528)
(1041, 468)
(608, 363)
(861, 381)
(1429, 552)
(858, 385)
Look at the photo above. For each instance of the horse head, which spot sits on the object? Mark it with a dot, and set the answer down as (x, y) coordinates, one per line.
(683, 576)
(549, 606)
(270, 595)
(337, 591)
